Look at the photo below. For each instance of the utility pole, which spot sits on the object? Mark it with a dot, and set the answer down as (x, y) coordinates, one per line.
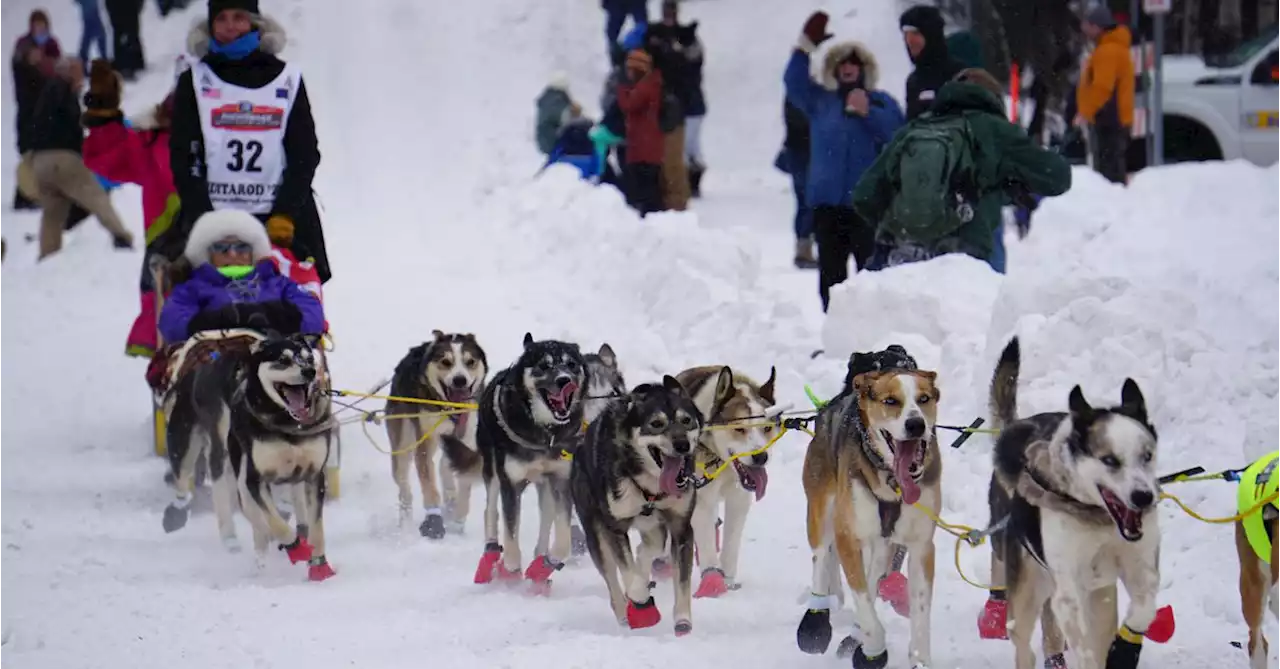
(1158, 10)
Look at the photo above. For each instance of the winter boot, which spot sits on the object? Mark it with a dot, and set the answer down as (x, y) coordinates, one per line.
(804, 254)
(695, 179)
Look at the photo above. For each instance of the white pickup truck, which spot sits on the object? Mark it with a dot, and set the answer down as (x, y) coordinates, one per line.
(1224, 109)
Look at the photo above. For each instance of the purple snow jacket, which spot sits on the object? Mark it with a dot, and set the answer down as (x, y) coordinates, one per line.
(209, 290)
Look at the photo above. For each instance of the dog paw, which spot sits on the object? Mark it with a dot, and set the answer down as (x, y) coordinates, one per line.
(1055, 661)
(175, 518)
(848, 646)
(993, 621)
(814, 634)
(1123, 653)
(712, 584)
(488, 566)
(642, 615)
(298, 551)
(304, 530)
(318, 569)
(432, 526)
(862, 661)
(578, 541)
(457, 527)
(683, 627)
(231, 544)
(1161, 628)
(893, 589)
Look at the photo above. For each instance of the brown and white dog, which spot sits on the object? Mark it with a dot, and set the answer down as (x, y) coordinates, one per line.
(873, 456)
(1257, 577)
(448, 368)
(726, 399)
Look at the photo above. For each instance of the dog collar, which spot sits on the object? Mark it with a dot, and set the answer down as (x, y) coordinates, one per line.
(650, 500)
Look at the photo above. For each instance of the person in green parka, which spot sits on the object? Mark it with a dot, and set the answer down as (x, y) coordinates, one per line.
(939, 186)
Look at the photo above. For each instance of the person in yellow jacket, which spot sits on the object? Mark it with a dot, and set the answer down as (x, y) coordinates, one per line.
(1104, 96)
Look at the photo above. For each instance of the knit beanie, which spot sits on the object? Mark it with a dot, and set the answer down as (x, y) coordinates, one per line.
(218, 6)
(1101, 16)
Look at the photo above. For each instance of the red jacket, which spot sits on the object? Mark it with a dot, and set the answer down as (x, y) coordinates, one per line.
(138, 156)
(639, 103)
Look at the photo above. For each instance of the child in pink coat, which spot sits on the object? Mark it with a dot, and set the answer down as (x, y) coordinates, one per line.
(134, 152)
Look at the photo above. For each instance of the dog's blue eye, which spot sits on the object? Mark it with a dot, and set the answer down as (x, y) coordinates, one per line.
(923, 399)
(1110, 461)
(890, 401)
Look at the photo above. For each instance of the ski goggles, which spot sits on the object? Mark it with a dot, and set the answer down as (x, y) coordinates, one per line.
(231, 247)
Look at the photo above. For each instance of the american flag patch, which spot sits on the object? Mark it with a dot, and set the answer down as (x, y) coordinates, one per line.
(211, 93)
(282, 93)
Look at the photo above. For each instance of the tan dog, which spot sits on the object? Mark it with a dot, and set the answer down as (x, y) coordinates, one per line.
(735, 406)
(874, 439)
(1257, 573)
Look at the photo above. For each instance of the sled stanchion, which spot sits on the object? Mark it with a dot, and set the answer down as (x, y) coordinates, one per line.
(159, 424)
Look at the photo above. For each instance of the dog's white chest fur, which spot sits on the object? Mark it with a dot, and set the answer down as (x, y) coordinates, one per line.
(912, 527)
(281, 459)
(533, 470)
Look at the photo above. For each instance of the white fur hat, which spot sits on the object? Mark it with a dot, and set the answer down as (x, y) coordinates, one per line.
(220, 224)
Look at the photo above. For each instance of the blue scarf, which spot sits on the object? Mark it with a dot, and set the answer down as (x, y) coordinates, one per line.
(40, 38)
(238, 48)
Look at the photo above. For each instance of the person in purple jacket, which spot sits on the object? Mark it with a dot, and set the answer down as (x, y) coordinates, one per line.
(235, 284)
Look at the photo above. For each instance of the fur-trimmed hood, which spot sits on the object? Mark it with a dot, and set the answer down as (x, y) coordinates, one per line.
(273, 36)
(215, 225)
(837, 53)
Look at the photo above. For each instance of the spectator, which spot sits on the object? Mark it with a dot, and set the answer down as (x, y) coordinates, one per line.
(263, 163)
(678, 53)
(616, 13)
(553, 109)
(136, 151)
(849, 121)
(939, 186)
(922, 30)
(92, 31)
(33, 57)
(639, 97)
(795, 158)
(1104, 96)
(126, 35)
(62, 178)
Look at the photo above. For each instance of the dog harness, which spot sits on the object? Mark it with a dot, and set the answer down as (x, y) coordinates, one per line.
(1258, 482)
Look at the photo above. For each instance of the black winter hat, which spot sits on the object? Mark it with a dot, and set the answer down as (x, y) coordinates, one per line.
(925, 18)
(218, 6)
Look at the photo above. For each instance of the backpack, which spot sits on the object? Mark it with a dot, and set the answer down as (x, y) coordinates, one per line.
(935, 192)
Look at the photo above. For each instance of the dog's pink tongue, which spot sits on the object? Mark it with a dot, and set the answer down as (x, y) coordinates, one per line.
(902, 459)
(669, 479)
(760, 478)
(460, 397)
(296, 400)
(565, 394)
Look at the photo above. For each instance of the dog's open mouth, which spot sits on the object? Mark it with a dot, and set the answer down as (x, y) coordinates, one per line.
(1128, 519)
(297, 400)
(459, 395)
(908, 464)
(560, 401)
(754, 479)
(676, 472)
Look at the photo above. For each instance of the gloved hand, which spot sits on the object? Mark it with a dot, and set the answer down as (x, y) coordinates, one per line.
(815, 28)
(229, 316)
(280, 230)
(279, 315)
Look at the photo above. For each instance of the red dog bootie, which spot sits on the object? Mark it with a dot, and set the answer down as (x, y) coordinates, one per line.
(642, 615)
(488, 563)
(298, 551)
(893, 589)
(994, 619)
(318, 569)
(712, 584)
(539, 574)
(1161, 629)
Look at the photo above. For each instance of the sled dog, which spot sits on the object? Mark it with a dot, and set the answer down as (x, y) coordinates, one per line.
(1256, 548)
(530, 422)
(873, 457)
(604, 381)
(634, 471)
(448, 368)
(725, 399)
(1079, 490)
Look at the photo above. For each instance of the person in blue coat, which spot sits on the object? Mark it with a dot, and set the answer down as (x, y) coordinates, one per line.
(850, 120)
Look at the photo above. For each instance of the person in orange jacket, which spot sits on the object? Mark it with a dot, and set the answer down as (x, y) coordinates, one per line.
(1104, 97)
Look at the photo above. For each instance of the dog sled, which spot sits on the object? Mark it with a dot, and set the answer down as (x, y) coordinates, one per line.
(174, 360)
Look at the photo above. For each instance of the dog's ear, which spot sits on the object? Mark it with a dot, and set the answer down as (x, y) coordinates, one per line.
(607, 356)
(724, 389)
(670, 383)
(863, 384)
(528, 340)
(1132, 403)
(1079, 406)
(437, 335)
(768, 389)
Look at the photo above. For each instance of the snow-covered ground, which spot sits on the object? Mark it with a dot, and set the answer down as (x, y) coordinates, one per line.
(435, 221)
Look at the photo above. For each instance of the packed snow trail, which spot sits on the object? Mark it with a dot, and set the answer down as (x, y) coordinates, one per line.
(433, 220)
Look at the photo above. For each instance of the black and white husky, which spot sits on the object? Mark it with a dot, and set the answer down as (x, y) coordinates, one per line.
(634, 471)
(529, 425)
(604, 381)
(1079, 491)
(448, 368)
(265, 415)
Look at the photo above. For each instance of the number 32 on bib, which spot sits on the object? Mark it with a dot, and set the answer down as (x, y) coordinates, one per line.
(244, 137)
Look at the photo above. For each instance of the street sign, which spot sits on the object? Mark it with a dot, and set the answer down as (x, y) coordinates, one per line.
(1157, 6)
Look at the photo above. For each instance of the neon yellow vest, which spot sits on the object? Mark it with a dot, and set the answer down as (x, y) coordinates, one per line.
(1258, 482)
